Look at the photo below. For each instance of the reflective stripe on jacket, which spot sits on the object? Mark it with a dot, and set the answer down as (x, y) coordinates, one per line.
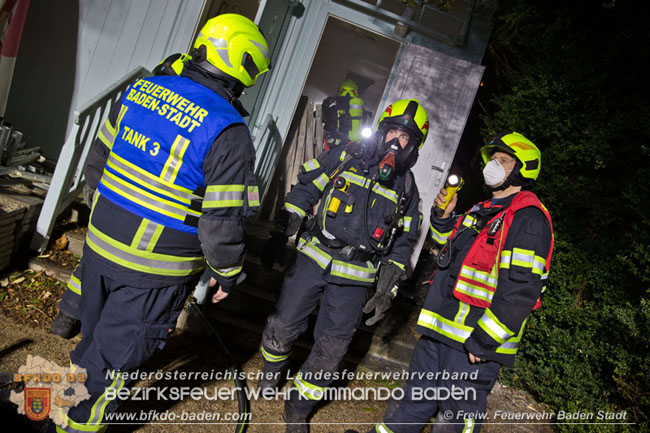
(361, 222)
(162, 135)
(133, 242)
(457, 330)
(336, 269)
(477, 280)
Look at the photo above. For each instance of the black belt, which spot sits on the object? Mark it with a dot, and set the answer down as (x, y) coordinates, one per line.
(341, 248)
(362, 256)
(331, 243)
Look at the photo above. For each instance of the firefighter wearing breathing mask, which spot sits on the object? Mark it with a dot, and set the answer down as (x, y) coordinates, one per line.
(493, 266)
(367, 223)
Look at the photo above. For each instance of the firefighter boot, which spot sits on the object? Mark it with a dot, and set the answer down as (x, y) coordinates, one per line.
(295, 422)
(268, 384)
(65, 326)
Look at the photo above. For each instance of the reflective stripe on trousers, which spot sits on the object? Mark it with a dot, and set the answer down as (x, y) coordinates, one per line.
(93, 424)
(311, 391)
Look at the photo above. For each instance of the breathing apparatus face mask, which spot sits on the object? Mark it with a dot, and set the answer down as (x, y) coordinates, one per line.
(404, 157)
(388, 163)
(494, 173)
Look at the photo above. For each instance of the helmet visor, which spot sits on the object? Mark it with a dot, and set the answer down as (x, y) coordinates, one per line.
(403, 136)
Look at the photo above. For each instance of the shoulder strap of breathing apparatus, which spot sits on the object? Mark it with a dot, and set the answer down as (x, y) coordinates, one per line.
(402, 202)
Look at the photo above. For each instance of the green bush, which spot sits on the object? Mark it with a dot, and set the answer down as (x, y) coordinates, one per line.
(575, 84)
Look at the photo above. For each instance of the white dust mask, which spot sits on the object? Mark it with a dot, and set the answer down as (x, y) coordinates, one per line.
(493, 173)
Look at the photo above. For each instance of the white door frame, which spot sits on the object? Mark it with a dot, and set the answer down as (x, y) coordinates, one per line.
(289, 76)
(299, 47)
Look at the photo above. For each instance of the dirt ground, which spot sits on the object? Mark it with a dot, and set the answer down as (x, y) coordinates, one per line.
(28, 303)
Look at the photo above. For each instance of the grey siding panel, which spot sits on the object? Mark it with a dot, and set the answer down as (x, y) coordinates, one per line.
(89, 45)
(134, 33)
(105, 50)
(91, 29)
(163, 45)
(185, 25)
(446, 87)
(148, 50)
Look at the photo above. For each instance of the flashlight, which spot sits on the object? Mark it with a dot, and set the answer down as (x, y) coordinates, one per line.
(366, 132)
(340, 184)
(453, 185)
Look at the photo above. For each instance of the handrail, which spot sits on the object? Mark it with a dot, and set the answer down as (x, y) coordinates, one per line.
(269, 144)
(67, 181)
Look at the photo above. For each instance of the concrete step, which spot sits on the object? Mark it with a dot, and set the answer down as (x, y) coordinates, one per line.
(386, 345)
(244, 336)
(240, 319)
(256, 275)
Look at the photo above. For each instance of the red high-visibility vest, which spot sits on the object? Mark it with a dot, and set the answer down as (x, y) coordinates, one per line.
(479, 273)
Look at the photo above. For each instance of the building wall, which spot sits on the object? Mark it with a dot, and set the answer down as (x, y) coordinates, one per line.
(73, 50)
(247, 8)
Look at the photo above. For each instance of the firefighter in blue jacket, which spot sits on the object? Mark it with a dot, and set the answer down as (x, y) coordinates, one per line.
(173, 165)
(67, 322)
(493, 266)
(369, 214)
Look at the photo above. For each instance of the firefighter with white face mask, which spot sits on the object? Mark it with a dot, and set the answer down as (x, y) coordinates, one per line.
(493, 267)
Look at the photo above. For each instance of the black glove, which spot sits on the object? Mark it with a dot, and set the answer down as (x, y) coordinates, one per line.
(89, 195)
(286, 224)
(274, 251)
(380, 303)
(389, 275)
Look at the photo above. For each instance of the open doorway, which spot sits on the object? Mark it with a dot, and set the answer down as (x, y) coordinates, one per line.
(345, 51)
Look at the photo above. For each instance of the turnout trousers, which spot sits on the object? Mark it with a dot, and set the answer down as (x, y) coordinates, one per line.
(121, 327)
(338, 317)
(441, 380)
